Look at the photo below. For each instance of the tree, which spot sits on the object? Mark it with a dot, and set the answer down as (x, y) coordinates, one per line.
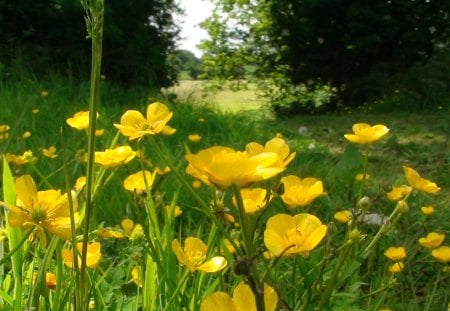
(50, 34)
(351, 45)
(186, 61)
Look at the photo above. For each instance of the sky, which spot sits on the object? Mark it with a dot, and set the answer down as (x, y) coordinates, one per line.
(196, 11)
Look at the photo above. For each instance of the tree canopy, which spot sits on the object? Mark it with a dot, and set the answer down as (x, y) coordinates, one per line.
(351, 45)
(138, 37)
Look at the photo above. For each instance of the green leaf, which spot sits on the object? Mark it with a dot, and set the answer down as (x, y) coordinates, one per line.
(350, 164)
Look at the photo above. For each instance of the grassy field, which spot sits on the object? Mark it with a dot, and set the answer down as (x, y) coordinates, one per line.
(360, 281)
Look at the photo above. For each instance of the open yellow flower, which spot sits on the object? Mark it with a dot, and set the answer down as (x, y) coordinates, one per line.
(442, 254)
(398, 193)
(134, 125)
(396, 267)
(194, 138)
(366, 134)
(276, 145)
(300, 192)
(418, 182)
(193, 256)
(26, 158)
(432, 240)
(343, 216)
(50, 152)
(93, 255)
(289, 235)
(395, 253)
(79, 121)
(132, 231)
(111, 158)
(48, 210)
(222, 166)
(243, 300)
(427, 210)
(254, 200)
(140, 181)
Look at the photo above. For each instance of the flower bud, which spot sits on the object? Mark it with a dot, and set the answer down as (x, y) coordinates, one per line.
(402, 206)
(364, 203)
(355, 236)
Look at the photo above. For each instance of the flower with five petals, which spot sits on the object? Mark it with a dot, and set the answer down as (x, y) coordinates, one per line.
(366, 134)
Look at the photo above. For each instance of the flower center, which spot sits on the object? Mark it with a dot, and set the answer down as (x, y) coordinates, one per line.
(39, 214)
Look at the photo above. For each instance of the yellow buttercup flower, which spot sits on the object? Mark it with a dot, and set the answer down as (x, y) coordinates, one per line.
(254, 200)
(48, 210)
(110, 233)
(396, 267)
(177, 211)
(168, 130)
(44, 93)
(398, 193)
(80, 183)
(418, 182)
(26, 158)
(343, 216)
(276, 145)
(50, 280)
(361, 177)
(99, 132)
(442, 254)
(134, 125)
(395, 253)
(35, 110)
(193, 256)
(137, 275)
(289, 235)
(194, 138)
(427, 210)
(222, 166)
(432, 240)
(366, 134)
(4, 128)
(243, 300)
(50, 152)
(162, 171)
(111, 158)
(140, 181)
(26, 135)
(79, 121)
(132, 231)
(93, 255)
(300, 192)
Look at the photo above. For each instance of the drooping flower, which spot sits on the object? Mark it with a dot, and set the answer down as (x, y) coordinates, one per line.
(194, 138)
(50, 280)
(243, 300)
(276, 145)
(398, 193)
(254, 200)
(134, 125)
(140, 181)
(418, 182)
(441, 254)
(193, 256)
(432, 240)
(395, 253)
(300, 192)
(118, 156)
(48, 210)
(427, 210)
(343, 216)
(93, 255)
(396, 267)
(289, 235)
(222, 166)
(50, 152)
(79, 121)
(366, 134)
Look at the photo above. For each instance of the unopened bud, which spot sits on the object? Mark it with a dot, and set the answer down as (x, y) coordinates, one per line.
(402, 206)
(355, 236)
(364, 203)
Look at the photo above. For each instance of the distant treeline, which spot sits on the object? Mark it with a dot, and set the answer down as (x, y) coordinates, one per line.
(48, 35)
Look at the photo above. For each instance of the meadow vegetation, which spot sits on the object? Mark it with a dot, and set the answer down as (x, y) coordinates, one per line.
(123, 199)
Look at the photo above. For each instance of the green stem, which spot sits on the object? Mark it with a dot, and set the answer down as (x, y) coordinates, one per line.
(334, 276)
(17, 246)
(94, 21)
(431, 298)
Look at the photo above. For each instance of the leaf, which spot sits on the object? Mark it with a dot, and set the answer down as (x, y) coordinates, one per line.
(350, 164)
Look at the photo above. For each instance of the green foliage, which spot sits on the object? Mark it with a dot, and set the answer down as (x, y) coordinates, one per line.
(138, 37)
(186, 61)
(355, 47)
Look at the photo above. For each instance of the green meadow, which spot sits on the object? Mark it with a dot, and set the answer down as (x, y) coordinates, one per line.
(138, 268)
